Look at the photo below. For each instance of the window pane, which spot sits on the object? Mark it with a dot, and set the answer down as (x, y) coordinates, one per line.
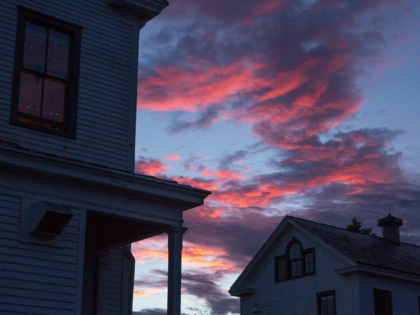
(292, 252)
(327, 305)
(280, 264)
(299, 267)
(58, 54)
(295, 252)
(309, 268)
(293, 269)
(309, 262)
(54, 96)
(35, 47)
(330, 305)
(281, 269)
(324, 306)
(283, 274)
(30, 93)
(283, 263)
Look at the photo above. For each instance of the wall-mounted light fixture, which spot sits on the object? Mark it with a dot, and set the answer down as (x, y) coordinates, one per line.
(49, 218)
(255, 310)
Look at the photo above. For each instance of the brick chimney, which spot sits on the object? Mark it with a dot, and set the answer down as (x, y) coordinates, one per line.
(391, 228)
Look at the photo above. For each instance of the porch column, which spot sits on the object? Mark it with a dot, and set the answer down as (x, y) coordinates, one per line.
(174, 269)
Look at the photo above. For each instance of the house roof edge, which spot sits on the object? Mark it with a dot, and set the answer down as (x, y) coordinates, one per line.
(54, 166)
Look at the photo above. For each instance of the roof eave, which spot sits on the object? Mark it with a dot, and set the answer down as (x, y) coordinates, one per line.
(241, 292)
(145, 8)
(378, 271)
(39, 163)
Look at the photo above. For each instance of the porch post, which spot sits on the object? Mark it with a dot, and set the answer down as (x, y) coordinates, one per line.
(174, 269)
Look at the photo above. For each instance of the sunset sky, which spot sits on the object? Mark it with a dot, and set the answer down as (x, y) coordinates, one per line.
(307, 108)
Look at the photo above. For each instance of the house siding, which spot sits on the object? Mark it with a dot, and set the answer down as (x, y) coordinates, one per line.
(103, 122)
(404, 294)
(298, 296)
(36, 279)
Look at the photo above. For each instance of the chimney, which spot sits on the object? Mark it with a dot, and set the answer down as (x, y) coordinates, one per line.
(391, 228)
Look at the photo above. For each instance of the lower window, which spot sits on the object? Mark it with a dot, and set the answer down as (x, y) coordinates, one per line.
(383, 302)
(326, 303)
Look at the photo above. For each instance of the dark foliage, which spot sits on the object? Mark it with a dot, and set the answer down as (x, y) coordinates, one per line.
(356, 226)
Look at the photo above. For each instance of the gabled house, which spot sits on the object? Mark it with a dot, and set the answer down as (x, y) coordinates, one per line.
(70, 203)
(308, 268)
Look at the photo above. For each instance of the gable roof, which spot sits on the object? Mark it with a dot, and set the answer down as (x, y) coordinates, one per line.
(358, 248)
(367, 249)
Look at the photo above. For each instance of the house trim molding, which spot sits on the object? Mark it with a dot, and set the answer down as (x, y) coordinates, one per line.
(55, 166)
(145, 8)
(360, 268)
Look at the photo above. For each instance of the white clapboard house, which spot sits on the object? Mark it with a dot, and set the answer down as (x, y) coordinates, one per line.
(70, 203)
(309, 268)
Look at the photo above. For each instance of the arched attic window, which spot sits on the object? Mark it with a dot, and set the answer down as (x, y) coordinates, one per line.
(295, 258)
(295, 263)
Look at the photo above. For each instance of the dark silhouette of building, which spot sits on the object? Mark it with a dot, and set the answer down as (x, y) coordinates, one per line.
(70, 203)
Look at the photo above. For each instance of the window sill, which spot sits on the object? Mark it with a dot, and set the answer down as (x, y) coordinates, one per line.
(62, 133)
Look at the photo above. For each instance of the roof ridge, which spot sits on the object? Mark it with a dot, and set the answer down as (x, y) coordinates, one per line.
(340, 228)
(336, 227)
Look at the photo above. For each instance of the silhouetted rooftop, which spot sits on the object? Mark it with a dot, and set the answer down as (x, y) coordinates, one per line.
(367, 249)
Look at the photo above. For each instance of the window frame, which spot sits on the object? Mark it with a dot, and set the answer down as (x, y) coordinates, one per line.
(286, 256)
(71, 97)
(309, 251)
(294, 241)
(388, 293)
(323, 294)
(276, 269)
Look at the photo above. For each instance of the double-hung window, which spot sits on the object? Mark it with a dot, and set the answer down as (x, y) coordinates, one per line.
(326, 303)
(309, 259)
(382, 300)
(46, 74)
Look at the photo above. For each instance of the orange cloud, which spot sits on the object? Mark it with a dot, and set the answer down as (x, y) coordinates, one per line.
(151, 291)
(204, 257)
(193, 256)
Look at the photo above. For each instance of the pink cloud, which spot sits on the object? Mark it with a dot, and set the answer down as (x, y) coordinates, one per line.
(173, 157)
(150, 166)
